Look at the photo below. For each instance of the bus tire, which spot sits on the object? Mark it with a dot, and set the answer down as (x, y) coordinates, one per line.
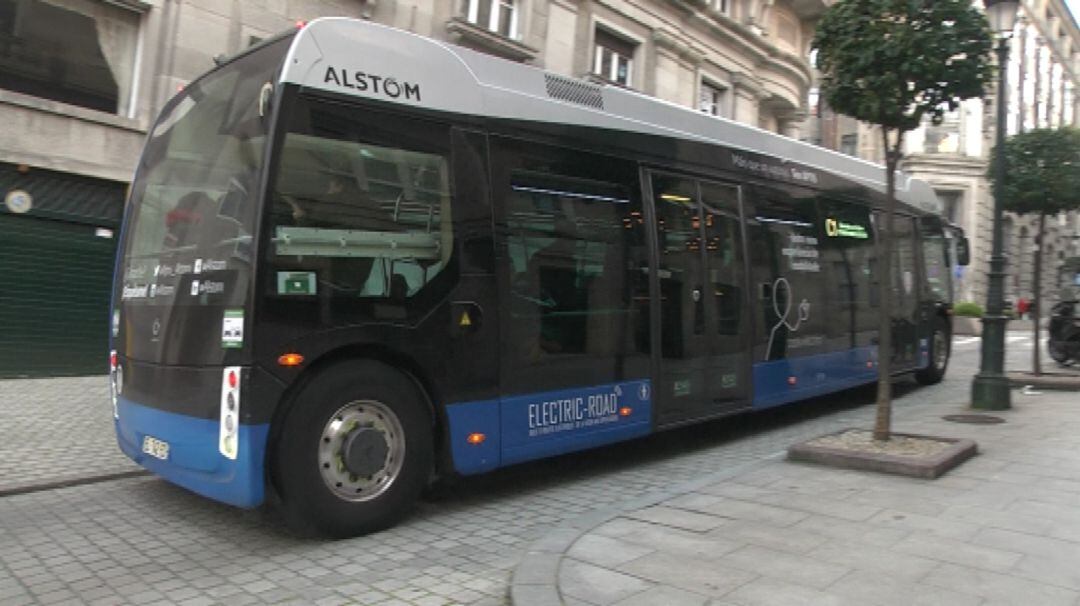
(939, 350)
(355, 451)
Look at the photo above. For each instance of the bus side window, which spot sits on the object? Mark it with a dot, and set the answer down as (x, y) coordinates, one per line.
(361, 204)
(849, 251)
(936, 264)
(564, 238)
(785, 241)
(572, 264)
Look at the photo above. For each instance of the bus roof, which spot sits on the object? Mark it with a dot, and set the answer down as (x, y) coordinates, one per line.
(374, 61)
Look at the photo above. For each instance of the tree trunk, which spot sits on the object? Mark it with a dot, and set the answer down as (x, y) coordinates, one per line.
(1036, 298)
(883, 421)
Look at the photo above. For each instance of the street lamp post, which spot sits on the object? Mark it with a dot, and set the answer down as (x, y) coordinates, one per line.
(990, 388)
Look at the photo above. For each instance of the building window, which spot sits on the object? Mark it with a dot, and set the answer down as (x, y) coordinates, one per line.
(952, 208)
(944, 138)
(499, 16)
(723, 6)
(849, 144)
(614, 58)
(711, 99)
(80, 52)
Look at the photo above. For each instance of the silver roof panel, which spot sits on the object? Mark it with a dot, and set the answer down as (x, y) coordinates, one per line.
(375, 61)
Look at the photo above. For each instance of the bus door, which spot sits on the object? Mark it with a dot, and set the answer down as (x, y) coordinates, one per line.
(704, 363)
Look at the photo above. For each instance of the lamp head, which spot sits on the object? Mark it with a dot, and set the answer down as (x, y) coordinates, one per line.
(1002, 15)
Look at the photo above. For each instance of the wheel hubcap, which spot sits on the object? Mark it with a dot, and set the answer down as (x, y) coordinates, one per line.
(361, 450)
(364, 451)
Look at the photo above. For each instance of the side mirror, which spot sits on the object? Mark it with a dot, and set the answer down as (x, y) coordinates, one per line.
(963, 252)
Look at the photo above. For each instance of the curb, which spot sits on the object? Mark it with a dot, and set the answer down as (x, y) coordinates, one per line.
(11, 490)
(535, 579)
(926, 467)
(1047, 380)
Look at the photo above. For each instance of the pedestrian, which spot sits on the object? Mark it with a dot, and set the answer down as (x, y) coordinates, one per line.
(1022, 307)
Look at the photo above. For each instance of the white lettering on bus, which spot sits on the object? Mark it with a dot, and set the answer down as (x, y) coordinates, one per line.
(573, 412)
(135, 292)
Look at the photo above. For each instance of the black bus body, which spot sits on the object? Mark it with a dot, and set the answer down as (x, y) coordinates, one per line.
(336, 293)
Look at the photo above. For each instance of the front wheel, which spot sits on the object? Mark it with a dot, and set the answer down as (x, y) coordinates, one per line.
(1062, 352)
(939, 355)
(355, 450)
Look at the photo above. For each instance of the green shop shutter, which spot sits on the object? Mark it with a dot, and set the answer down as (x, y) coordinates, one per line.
(56, 266)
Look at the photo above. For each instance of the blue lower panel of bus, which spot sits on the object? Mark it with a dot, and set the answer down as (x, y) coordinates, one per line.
(783, 381)
(533, 426)
(193, 460)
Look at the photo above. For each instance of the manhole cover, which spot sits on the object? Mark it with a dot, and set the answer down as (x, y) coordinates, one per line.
(974, 419)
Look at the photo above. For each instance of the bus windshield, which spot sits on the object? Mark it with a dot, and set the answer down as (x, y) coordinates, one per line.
(189, 239)
(195, 195)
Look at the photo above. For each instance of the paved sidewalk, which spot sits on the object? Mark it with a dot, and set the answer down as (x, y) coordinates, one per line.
(1004, 528)
(57, 432)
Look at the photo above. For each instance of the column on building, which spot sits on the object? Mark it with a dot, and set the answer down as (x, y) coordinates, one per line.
(560, 42)
(748, 91)
(676, 68)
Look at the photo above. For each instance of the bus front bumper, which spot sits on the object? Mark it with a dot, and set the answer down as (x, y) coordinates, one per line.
(192, 459)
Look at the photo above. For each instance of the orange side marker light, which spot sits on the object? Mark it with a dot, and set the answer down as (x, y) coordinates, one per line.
(290, 359)
(625, 411)
(476, 438)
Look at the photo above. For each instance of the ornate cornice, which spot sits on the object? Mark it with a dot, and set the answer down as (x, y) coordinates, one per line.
(748, 83)
(758, 49)
(968, 166)
(470, 34)
(666, 40)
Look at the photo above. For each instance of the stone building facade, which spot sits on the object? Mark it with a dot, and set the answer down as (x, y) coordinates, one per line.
(82, 80)
(1043, 92)
(740, 59)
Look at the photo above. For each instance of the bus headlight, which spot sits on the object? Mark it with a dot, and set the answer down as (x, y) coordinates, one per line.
(229, 429)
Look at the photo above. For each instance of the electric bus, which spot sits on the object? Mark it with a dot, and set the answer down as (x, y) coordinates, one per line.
(356, 259)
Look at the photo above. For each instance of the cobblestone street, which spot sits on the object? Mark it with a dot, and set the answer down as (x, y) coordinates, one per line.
(144, 541)
(55, 431)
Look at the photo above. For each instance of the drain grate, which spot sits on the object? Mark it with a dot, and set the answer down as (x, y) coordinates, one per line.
(974, 419)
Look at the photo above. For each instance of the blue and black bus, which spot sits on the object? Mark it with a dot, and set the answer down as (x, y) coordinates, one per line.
(356, 259)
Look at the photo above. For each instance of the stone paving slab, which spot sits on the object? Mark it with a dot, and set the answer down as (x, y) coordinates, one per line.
(992, 531)
(144, 541)
(57, 432)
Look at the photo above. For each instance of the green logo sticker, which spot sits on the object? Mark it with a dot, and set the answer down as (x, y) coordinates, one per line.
(232, 329)
(682, 387)
(296, 283)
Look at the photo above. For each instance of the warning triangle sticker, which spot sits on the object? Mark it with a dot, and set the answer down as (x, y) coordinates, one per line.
(466, 321)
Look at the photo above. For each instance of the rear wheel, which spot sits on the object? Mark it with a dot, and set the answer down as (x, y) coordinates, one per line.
(939, 355)
(355, 450)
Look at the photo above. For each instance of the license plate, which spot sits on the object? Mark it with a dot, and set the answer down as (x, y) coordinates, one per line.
(159, 449)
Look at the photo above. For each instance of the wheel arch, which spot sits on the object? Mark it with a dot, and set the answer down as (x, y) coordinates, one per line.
(358, 353)
(944, 312)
